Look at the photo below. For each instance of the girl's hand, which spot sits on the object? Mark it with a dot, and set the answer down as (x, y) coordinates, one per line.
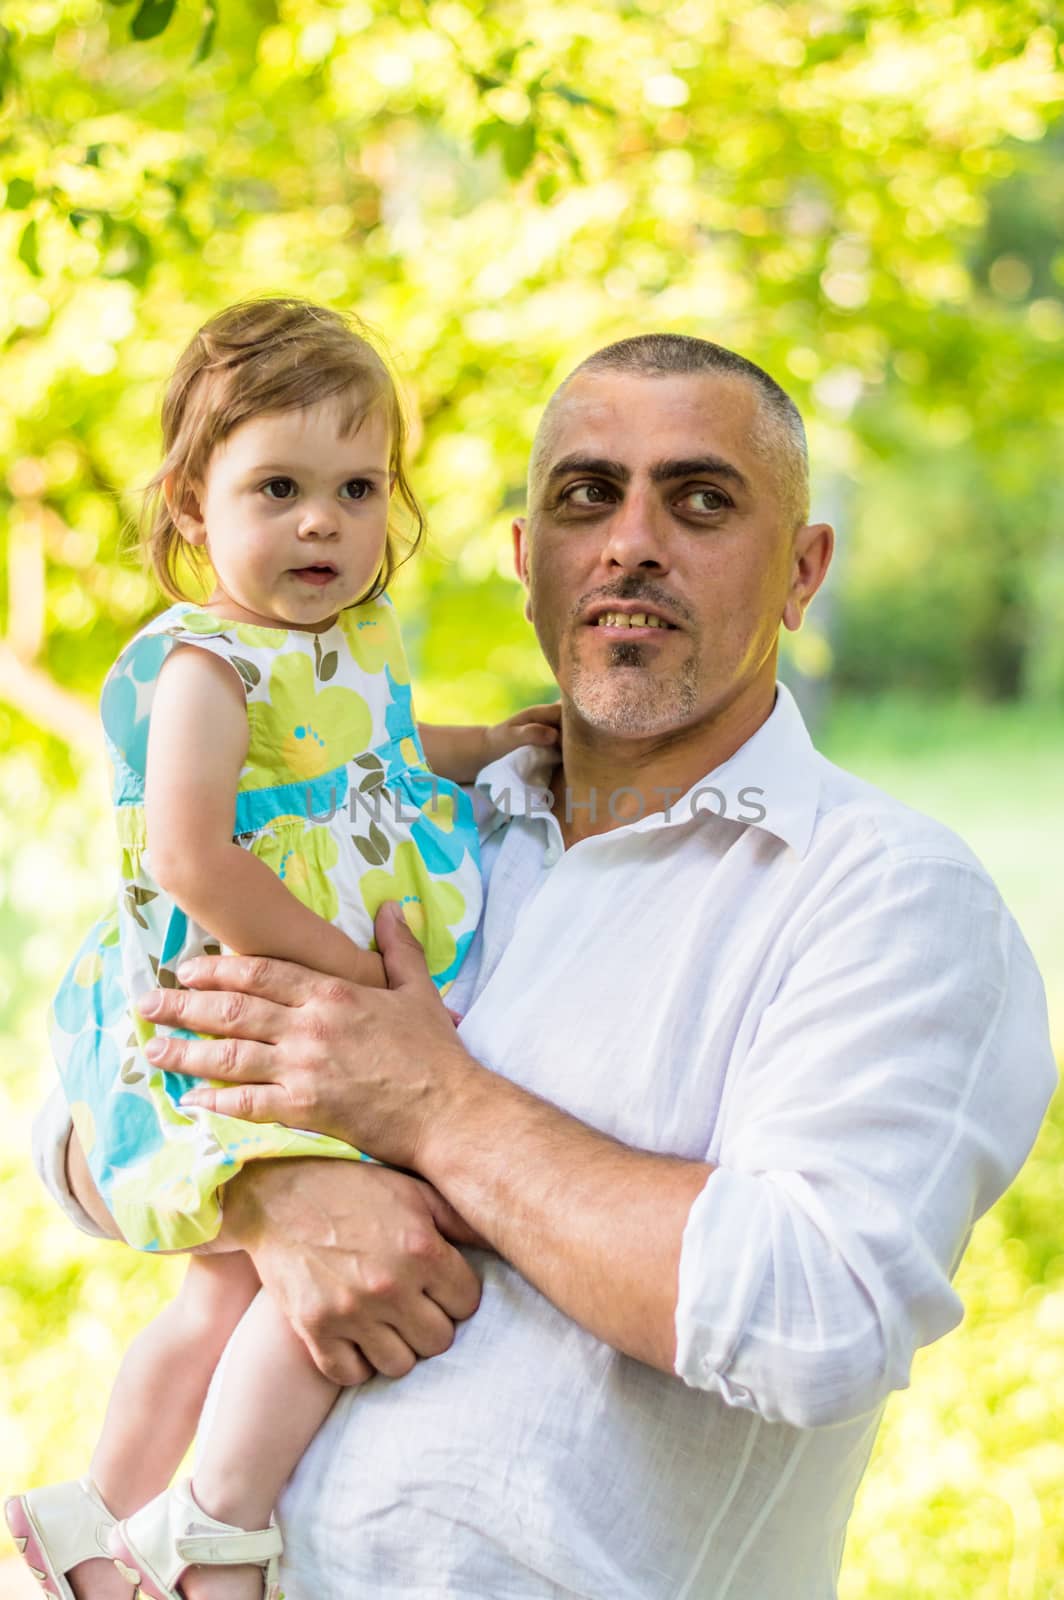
(460, 753)
(534, 725)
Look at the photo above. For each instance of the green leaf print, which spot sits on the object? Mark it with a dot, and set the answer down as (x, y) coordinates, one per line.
(247, 670)
(131, 1073)
(327, 666)
(367, 851)
(167, 979)
(379, 840)
(371, 782)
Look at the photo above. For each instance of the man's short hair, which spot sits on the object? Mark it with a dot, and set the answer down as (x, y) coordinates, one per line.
(778, 433)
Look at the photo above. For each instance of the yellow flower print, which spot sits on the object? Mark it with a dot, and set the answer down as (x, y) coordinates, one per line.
(429, 904)
(372, 635)
(303, 732)
(302, 856)
(439, 809)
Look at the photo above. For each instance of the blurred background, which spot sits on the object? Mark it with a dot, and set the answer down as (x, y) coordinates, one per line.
(866, 199)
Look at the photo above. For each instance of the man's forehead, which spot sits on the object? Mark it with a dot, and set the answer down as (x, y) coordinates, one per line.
(636, 417)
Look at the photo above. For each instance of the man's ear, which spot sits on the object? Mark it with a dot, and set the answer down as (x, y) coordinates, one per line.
(183, 504)
(810, 559)
(520, 535)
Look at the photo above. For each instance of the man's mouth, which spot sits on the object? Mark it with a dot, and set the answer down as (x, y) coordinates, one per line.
(630, 620)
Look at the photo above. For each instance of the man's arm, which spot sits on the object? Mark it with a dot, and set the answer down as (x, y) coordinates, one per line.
(596, 1226)
(893, 1090)
(360, 1259)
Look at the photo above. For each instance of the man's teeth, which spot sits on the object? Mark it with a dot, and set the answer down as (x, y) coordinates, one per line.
(626, 619)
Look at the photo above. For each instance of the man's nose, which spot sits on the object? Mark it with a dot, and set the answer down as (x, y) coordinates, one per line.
(635, 535)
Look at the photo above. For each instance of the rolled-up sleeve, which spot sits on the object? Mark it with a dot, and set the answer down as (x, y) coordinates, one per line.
(894, 1088)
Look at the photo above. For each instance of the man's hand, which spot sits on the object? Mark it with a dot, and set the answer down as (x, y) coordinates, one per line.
(356, 1258)
(377, 1068)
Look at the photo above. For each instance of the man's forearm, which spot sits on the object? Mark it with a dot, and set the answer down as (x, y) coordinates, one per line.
(594, 1225)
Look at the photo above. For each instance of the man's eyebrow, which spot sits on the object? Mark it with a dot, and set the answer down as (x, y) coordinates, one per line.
(594, 466)
(698, 467)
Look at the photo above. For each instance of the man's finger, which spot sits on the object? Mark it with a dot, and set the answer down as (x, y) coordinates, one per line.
(284, 982)
(222, 1012)
(403, 957)
(450, 1224)
(233, 1060)
(453, 1285)
(387, 1351)
(340, 1362)
(251, 1102)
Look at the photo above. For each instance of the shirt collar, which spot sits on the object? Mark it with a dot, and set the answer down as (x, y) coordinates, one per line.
(771, 782)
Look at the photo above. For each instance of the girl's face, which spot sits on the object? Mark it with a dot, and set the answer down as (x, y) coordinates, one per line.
(294, 515)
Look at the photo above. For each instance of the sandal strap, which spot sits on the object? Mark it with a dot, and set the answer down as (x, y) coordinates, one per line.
(229, 1549)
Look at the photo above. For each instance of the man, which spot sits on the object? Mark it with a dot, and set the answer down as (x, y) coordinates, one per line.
(747, 1049)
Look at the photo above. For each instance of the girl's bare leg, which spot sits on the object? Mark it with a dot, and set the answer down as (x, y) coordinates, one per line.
(271, 1403)
(158, 1396)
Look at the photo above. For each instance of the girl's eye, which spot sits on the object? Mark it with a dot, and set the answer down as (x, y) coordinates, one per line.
(279, 489)
(357, 489)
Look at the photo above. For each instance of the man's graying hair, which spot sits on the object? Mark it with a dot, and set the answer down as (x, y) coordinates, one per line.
(778, 434)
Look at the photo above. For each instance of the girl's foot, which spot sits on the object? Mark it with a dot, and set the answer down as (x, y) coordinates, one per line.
(172, 1550)
(61, 1533)
(98, 1580)
(223, 1583)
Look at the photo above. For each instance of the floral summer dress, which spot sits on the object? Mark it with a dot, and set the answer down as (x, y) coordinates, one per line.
(335, 797)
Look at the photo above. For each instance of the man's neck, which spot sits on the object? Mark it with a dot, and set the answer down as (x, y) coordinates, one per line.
(604, 781)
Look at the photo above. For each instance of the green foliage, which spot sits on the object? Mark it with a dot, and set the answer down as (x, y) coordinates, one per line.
(865, 198)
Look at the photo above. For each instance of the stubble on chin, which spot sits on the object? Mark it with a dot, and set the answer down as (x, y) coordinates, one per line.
(625, 697)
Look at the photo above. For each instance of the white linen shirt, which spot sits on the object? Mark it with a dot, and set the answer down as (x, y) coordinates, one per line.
(831, 1003)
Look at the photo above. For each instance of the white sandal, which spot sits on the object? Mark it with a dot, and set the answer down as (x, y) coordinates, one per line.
(58, 1527)
(152, 1548)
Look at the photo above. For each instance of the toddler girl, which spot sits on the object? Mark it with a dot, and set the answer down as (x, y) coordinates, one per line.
(271, 792)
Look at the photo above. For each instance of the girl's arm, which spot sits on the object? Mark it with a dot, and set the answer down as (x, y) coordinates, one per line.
(196, 748)
(458, 753)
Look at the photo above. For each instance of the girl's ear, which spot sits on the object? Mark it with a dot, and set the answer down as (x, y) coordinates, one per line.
(182, 502)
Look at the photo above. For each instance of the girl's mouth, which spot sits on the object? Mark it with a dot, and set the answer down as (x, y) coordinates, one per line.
(317, 576)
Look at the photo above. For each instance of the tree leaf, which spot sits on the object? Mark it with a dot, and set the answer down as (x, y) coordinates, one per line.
(27, 249)
(153, 18)
(20, 192)
(518, 147)
(205, 43)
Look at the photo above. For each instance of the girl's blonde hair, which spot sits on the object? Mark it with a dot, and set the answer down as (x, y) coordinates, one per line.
(266, 356)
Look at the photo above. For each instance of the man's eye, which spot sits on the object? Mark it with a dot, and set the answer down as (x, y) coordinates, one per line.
(702, 501)
(586, 494)
(357, 489)
(279, 489)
